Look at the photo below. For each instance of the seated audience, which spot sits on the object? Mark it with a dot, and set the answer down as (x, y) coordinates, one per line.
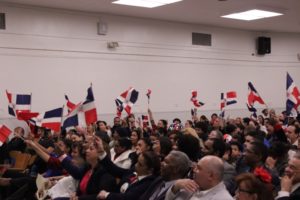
(176, 165)
(133, 185)
(120, 153)
(253, 187)
(290, 182)
(206, 184)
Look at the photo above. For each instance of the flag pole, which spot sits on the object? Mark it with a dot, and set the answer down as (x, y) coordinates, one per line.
(223, 111)
(148, 96)
(30, 100)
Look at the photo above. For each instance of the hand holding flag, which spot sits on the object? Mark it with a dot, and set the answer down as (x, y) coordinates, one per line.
(148, 95)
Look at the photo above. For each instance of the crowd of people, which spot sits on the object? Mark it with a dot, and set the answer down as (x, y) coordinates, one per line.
(216, 158)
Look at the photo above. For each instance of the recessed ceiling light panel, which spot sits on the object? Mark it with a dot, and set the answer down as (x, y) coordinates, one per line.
(252, 15)
(145, 3)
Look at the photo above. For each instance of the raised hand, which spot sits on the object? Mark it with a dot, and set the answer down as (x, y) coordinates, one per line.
(286, 183)
(99, 145)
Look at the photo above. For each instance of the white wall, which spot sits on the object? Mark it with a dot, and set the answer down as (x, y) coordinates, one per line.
(50, 52)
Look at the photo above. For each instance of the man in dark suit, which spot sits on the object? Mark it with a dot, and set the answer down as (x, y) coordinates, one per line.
(290, 183)
(176, 165)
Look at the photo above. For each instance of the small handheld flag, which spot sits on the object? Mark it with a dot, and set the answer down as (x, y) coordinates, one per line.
(4, 134)
(253, 97)
(148, 95)
(293, 96)
(126, 100)
(195, 100)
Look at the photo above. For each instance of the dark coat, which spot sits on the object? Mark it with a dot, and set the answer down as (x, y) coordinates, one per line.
(99, 180)
(134, 190)
(293, 196)
(156, 185)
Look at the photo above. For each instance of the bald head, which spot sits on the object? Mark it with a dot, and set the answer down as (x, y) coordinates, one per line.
(214, 165)
(208, 172)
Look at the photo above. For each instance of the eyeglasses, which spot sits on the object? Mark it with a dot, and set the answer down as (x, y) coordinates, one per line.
(239, 190)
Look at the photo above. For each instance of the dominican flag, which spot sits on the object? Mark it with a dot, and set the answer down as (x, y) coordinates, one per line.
(231, 98)
(89, 107)
(222, 105)
(119, 105)
(4, 134)
(226, 100)
(293, 96)
(72, 119)
(195, 100)
(52, 119)
(145, 120)
(18, 103)
(33, 123)
(26, 115)
(19, 106)
(148, 95)
(253, 95)
(69, 104)
(126, 100)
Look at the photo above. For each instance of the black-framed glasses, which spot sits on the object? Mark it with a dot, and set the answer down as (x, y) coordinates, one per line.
(239, 190)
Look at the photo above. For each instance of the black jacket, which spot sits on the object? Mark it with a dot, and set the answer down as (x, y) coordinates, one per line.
(99, 180)
(155, 185)
(293, 196)
(134, 190)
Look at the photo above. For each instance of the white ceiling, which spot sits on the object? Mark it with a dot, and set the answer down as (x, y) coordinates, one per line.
(206, 12)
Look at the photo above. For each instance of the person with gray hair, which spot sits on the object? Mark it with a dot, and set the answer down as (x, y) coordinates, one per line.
(206, 184)
(176, 165)
(290, 182)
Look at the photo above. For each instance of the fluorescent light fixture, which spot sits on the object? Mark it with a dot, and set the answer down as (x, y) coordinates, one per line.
(145, 3)
(252, 15)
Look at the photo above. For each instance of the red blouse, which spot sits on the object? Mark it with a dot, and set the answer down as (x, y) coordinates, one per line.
(84, 181)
